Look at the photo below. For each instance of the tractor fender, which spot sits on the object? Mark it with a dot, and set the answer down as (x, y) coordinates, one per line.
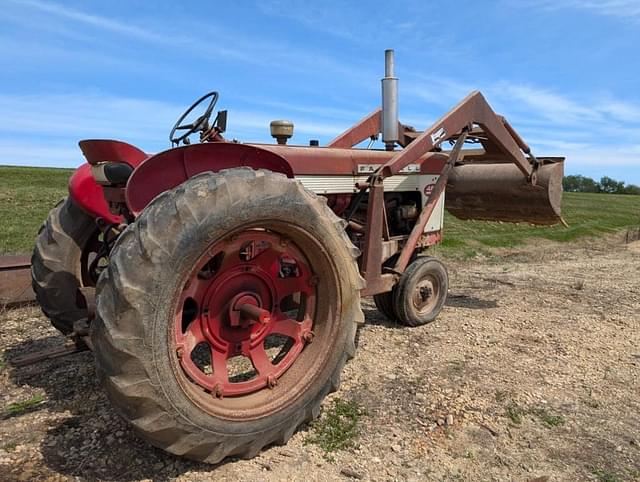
(88, 195)
(168, 169)
(83, 188)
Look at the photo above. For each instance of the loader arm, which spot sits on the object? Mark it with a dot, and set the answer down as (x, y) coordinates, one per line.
(474, 109)
(364, 129)
(472, 117)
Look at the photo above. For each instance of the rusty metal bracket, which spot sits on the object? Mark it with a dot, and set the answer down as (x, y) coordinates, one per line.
(430, 205)
(15, 280)
(371, 266)
(75, 346)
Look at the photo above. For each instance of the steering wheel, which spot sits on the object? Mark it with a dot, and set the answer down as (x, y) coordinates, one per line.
(200, 124)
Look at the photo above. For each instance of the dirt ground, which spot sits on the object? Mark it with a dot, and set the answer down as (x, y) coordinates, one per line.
(532, 373)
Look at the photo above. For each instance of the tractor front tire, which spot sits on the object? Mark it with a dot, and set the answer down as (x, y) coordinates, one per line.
(56, 264)
(421, 292)
(201, 278)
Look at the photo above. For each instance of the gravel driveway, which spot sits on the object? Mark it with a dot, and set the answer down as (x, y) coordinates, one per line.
(532, 373)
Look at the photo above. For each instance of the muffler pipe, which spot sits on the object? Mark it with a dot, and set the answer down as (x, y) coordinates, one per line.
(390, 133)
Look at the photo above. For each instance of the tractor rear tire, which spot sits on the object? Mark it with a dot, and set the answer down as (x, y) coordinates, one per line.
(421, 292)
(161, 291)
(56, 264)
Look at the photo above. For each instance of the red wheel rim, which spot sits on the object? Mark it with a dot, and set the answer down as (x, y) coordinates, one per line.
(245, 292)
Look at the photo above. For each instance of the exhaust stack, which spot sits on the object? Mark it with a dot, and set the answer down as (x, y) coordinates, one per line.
(389, 102)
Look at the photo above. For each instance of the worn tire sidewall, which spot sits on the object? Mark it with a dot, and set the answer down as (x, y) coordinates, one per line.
(416, 272)
(293, 207)
(56, 263)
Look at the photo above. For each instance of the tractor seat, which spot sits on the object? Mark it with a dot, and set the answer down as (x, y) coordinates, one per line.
(117, 173)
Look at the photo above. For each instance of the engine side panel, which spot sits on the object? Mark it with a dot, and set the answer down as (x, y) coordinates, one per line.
(436, 220)
(400, 183)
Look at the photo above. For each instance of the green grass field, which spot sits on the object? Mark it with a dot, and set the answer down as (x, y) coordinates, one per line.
(587, 214)
(27, 194)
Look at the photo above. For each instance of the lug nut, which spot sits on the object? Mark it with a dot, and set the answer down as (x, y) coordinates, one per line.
(271, 381)
(217, 391)
(180, 352)
(308, 336)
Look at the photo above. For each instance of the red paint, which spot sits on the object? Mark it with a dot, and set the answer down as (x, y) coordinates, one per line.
(331, 161)
(171, 168)
(166, 170)
(106, 150)
(82, 186)
(428, 189)
(233, 302)
(429, 239)
(89, 196)
(339, 202)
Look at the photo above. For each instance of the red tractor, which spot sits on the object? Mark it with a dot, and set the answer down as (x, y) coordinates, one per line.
(219, 283)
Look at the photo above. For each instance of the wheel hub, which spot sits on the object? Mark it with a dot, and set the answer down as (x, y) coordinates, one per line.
(425, 292)
(245, 293)
(247, 308)
(424, 295)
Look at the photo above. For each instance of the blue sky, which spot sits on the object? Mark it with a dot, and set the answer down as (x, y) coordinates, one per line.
(565, 72)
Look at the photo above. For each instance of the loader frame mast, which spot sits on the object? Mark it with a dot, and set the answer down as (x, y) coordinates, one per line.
(472, 116)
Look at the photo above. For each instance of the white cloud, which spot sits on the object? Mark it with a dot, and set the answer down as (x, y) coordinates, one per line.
(25, 153)
(44, 129)
(96, 21)
(318, 17)
(597, 131)
(524, 103)
(624, 155)
(350, 115)
(623, 111)
(439, 91)
(625, 9)
(262, 52)
(171, 39)
(86, 115)
(103, 115)
(551, 106)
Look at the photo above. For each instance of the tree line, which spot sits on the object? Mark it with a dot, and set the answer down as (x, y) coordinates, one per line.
(578, 183)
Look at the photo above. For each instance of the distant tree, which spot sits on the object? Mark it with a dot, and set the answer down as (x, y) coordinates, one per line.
(570, 183)
(631, 189)
(611, 186)
(578, 183)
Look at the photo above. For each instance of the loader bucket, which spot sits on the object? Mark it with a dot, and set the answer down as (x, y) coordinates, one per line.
(500, 192)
